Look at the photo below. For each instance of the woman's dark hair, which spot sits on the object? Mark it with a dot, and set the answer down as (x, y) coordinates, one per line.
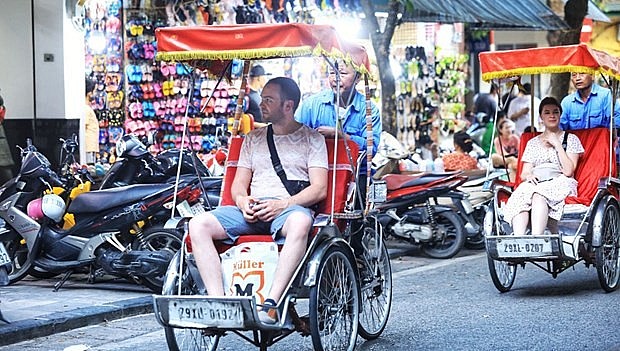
(463, 140)
(501, 123)
(1, 101)
(289, 90)
(549, 100)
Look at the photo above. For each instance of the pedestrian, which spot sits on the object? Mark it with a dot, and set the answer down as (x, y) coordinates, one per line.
(519, 110)
(6, 159)
(91, 125)
(258, 78)
(460, 159)
(589, 106)
(487, 103)
(268, 206)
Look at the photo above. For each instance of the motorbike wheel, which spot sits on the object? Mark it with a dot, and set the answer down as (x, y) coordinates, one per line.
(18, 253)
(453, 239)
(185, 339)
(158, 239)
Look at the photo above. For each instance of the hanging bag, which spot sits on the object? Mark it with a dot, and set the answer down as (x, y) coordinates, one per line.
(249, 268)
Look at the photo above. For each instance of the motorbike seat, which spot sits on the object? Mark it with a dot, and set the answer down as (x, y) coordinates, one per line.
(399, 181)
(96, 201)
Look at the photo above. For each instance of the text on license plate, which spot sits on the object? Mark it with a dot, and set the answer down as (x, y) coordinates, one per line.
(209, 313)
(4, 256)
(523, 247)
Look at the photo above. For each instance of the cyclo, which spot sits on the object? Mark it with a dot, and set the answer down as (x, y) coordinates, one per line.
(589, 229)
(346, 295)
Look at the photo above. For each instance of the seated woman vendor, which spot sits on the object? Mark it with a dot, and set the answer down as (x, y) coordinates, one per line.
(549, 162)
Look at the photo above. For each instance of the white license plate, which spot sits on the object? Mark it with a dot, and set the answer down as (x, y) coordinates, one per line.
(198, 209)
(520, 247)
(4, 256)
(206, 313)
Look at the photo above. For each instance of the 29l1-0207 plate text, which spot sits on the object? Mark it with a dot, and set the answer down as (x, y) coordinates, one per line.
(520, 247)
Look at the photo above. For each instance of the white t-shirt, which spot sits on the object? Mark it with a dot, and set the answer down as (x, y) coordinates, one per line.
(298, 151)
(516, 105)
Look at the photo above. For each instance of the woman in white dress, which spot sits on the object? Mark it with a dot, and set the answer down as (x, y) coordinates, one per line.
(547, 175)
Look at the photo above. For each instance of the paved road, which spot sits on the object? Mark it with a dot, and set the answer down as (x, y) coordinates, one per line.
(441, 305)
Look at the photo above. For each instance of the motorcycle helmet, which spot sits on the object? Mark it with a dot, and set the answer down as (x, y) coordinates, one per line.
(53, 206)
(34, 209)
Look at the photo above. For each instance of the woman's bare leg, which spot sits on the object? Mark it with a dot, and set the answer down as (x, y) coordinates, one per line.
(540, 214)
(520, 222)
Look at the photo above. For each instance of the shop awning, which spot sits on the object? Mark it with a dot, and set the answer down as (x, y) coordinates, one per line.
(487, 14)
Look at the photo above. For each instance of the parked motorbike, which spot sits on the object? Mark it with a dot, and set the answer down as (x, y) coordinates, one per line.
(106, 237)
(408, 212)
(471, 200)
(136, 165)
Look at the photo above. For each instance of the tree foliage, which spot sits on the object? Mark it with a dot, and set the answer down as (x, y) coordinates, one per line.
(574, 13)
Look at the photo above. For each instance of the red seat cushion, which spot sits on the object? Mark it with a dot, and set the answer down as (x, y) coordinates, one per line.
(592, 165)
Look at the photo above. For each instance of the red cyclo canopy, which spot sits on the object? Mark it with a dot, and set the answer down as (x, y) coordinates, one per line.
(555, 59)
(256, 41)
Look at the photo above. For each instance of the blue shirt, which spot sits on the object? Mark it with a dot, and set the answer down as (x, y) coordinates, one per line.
(318, 110)
(594, 112)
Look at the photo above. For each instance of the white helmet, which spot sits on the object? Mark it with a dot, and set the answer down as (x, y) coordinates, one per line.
(53, 207)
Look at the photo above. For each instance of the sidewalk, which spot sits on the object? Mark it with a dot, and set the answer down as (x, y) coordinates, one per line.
(35, 310)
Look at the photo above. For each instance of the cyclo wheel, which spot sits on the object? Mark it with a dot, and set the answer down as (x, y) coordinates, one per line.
(158, 239)
(185, 339)
(453, 240)
(607, 262)
(376, 286)
(334, 303)
(502, 273)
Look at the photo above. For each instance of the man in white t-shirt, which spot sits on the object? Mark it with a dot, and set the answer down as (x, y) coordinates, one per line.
(519, 109)
(267, 207)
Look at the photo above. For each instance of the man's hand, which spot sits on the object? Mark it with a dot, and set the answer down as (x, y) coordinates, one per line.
(329, 132)
(247, 205)
(268, 210)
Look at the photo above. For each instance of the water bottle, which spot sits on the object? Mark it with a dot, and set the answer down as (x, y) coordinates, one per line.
(438, 165)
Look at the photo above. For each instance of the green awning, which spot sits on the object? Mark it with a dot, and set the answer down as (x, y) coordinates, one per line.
(485, 14)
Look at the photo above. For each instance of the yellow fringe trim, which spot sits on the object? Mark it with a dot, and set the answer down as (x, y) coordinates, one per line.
(258, 54)
(546, 69)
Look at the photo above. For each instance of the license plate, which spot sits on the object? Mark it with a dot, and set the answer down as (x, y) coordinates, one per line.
(206, 313)
(4, 256)
(520, 247)
(198, 209)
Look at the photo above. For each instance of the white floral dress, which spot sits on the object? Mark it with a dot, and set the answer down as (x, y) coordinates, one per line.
(555, 190)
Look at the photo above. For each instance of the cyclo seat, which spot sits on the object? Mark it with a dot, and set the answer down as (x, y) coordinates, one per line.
(344, 176)
(592, 166)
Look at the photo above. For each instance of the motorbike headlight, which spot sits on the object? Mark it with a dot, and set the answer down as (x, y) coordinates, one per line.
(121, 146)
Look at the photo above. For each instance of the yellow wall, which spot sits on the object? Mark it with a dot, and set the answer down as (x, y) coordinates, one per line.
(605, 36)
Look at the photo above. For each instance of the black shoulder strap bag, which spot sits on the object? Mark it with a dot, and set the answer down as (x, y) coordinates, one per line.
(292, 186)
